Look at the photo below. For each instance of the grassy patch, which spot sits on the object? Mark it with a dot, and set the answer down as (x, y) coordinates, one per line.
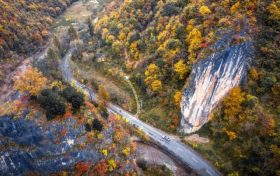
(157, 171)
(158, 117)
(95, 74)
(211, 153)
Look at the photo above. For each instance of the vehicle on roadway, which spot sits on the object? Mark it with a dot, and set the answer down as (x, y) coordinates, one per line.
(166, 138)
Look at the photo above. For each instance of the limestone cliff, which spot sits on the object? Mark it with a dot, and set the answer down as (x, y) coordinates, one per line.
(211, 80)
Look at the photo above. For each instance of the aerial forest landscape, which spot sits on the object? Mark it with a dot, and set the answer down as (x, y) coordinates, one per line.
(139, 87)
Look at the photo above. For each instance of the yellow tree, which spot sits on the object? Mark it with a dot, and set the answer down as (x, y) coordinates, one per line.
(103, 97)
(151, 80)
(111, 164)
(30, 81)
(235, 7)
(156, 86)
(232, 103)
(274, 11)
(151, 73)
(102, 94)
(267, 123)
(181, 68)
(194, 41)
(177, 98)
(204, 10)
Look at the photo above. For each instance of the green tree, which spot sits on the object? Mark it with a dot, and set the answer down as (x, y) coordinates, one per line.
(97, 125)
(57, 45)
(52, 102)
(90, 26)
(73, 33)
(74, 97)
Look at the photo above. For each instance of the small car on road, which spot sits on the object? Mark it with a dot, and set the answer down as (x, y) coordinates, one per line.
(166, 138)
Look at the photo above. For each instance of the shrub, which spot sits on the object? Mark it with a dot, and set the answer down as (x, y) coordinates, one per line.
(142, 164)
(74, 97)
(97, 125)
(52, 102)
(169, 10)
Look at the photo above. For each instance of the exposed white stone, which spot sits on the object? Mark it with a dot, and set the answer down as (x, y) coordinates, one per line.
(212, 79)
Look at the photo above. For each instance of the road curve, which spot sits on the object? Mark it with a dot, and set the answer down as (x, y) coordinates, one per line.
(179, 150)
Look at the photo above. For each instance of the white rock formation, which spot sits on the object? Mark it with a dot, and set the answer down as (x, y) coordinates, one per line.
(211, 80)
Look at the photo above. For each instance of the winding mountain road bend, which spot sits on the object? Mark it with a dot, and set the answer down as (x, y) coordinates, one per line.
(179, 150)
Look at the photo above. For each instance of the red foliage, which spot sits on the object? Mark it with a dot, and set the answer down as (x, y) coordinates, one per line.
(63, 132)
(101, 168)
(204, 45)
(82, 167)
(2, 41)
(67, 114)
(112, 118)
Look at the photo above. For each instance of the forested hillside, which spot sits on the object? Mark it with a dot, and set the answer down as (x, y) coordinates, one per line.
(152, 45)
(24, 25)
(157, 43)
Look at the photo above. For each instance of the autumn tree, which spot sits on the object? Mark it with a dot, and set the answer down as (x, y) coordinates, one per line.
(274, 11)
(101, 168)
(31, 81)
(177, 98)
(103, 97)
(232, 103)
(253, 73)
(267, 123)
(152, 80)
(194, 41)
(111, 164)
(235, 7)
(82, 167)
(156, 86)
(181, 68)
(204, 10)
(103, 94)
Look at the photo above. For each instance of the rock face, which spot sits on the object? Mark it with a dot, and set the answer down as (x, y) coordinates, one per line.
(211, 80)
(27, 147)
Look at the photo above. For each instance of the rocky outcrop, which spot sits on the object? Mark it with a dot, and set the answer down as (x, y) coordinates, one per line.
(211, 80)
(27, 147)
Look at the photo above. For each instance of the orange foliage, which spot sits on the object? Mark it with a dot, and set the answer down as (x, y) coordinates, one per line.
(118, 134)
(133, 146)
(30, 81)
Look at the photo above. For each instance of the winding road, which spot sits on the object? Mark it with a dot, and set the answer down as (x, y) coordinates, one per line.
(179, 150)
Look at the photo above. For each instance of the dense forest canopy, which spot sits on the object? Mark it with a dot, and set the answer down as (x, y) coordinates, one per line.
(156, 43)
(24, 24)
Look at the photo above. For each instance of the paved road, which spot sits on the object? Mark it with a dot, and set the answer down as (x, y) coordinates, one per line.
(179, 150)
